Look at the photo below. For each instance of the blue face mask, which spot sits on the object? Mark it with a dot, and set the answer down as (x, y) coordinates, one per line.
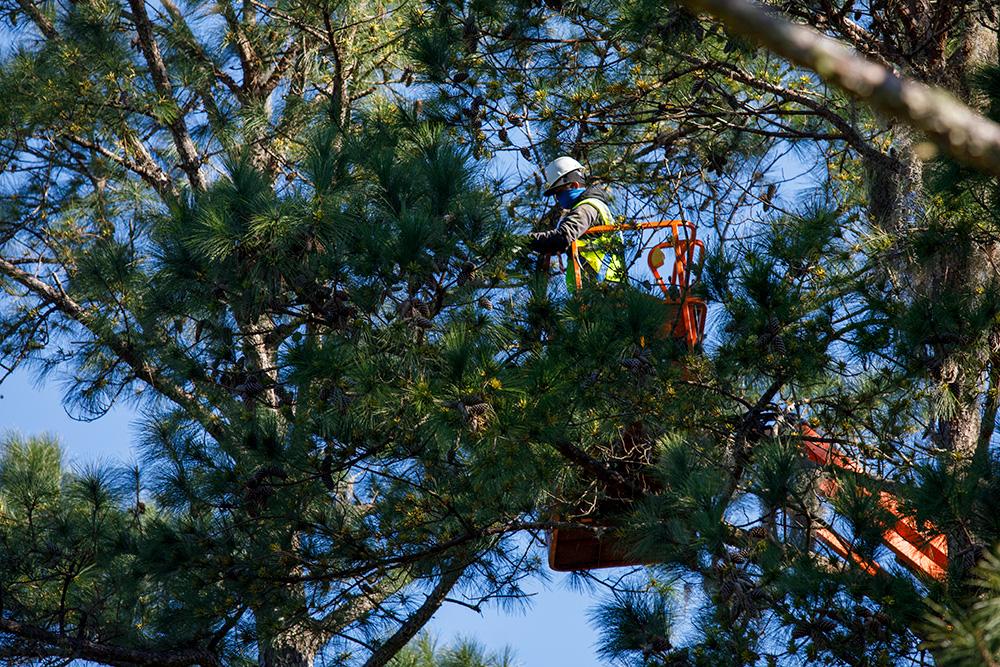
(566, 198)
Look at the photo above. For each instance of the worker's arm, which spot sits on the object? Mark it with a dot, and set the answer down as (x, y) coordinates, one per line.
(572, 227)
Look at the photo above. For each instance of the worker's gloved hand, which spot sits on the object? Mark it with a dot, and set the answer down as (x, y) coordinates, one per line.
(522, 243)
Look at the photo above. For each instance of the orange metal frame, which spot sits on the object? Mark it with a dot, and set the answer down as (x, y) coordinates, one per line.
(687, 251)
(922, 551)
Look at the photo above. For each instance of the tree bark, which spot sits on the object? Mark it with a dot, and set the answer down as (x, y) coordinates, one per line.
(292, 647)
(897, 207)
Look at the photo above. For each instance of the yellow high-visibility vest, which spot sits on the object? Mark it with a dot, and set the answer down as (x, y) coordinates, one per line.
(604, 251)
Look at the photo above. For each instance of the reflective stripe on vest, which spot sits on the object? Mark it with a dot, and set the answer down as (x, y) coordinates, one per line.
(599, 244)
(599, 250)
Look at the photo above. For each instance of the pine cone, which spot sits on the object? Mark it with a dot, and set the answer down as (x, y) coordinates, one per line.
(485, 303)
(637, 365)
(470, 33)
(326, 472)
(778, 345)
(759, 533)
(768, 196)
(405, 309)
(774, 340)
(258, 489)
(477, 423)
(254, 497)
(335, 397)
(743, 555)
(422, 322)
(251, 388)
(467, 272)
(729, 588)
(477, 409)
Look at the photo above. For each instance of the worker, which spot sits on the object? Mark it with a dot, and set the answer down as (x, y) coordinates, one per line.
(582, 207)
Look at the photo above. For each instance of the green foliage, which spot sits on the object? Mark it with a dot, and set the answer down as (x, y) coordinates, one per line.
(636, 627)
(293, 253)
(424, 652)
(67, 541)
(966, 633)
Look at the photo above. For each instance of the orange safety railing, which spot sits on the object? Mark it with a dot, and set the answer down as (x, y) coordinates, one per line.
(687, 253)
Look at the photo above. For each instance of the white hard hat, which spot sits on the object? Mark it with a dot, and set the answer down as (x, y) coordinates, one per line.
(557, 169)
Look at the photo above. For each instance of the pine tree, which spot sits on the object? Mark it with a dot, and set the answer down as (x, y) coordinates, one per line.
(870, 312)
(303, 275)
(285, 273)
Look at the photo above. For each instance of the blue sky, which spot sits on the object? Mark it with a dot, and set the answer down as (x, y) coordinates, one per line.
(552, 631)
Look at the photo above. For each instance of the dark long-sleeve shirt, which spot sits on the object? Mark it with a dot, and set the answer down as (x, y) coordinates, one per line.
(570, 227)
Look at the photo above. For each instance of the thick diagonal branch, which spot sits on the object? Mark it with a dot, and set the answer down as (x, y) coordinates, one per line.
(122, 348)
(418, 619)
(964, 134)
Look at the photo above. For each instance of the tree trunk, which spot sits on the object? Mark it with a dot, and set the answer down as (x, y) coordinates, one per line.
(291, 647)
(896, 206)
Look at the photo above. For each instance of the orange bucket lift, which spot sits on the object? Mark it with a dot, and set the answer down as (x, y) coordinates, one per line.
(591, 546)
(923, 551)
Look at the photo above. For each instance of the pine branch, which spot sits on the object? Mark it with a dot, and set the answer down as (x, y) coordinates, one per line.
(822, 109)
(374, 565)
(595, 467)
(191, 45)
(48, 644)
(964, 134)
(39, 19)
(124, 349)
(145, 167)
(249, 59)
(744, 433)
(356, 608)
